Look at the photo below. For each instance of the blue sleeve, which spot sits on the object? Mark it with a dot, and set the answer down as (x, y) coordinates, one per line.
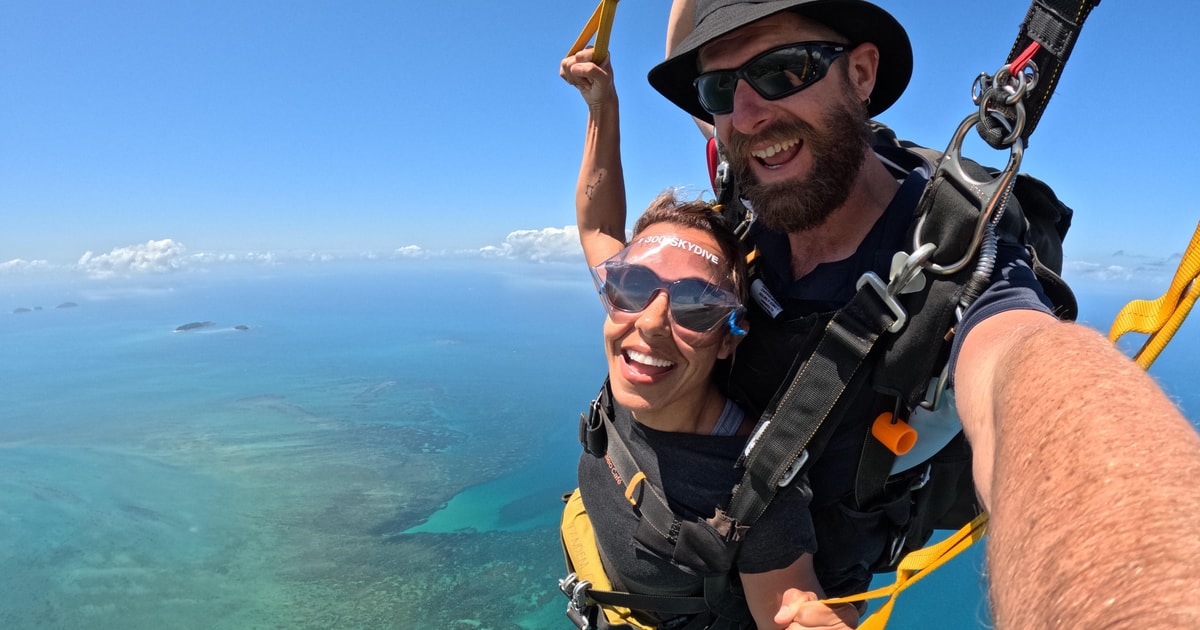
(1014, 287)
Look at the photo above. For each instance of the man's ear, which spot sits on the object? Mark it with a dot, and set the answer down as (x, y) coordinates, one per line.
(864, 66)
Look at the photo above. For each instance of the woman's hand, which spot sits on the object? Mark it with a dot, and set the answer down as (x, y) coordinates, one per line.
(801, 610)
(594, 81)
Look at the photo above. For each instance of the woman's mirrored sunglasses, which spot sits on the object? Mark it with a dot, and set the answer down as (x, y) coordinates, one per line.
(774, 74)
(695, 305)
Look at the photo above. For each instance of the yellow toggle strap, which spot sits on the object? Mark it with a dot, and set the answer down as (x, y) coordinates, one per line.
(1161, 318)
(916, 565)
(633, 484)
(600, 25)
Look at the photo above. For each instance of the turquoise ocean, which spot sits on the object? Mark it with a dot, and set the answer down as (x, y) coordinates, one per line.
(369, 445)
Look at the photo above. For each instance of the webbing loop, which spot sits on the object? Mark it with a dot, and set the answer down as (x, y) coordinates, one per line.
(1161, 318)
(638, 478)
(600, 25)
(913, 567)
(1055, 25)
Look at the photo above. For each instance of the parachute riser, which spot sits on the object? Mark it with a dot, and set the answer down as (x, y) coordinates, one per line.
(1000, 121)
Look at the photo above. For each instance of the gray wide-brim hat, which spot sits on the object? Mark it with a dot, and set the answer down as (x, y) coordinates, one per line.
(857, 20)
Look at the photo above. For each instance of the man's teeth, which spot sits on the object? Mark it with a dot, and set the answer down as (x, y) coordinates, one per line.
(646, 359)
(763, 154)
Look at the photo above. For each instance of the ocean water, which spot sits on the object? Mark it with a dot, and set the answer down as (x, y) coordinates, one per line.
(383, 445)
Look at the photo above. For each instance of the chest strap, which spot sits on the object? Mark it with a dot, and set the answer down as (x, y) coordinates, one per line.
(791, 430)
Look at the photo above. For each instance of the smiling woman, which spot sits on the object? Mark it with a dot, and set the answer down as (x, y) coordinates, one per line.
(673, 298)
(672, 313)
(663, 428)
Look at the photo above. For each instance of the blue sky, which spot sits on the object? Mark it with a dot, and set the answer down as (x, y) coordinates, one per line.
(212, 130)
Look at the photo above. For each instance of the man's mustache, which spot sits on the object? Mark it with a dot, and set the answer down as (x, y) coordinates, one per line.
(779, 131)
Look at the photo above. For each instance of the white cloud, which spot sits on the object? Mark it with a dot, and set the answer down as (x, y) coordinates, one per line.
(18, 265)
(1122, 267)
(153, 257)
(1097, 271)
(542, 245)
(411, 251)
(258, 258)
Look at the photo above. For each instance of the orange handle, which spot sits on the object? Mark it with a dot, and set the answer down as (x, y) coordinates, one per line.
(894, 433)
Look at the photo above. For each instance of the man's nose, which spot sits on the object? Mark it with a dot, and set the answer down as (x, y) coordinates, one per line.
(750, 110)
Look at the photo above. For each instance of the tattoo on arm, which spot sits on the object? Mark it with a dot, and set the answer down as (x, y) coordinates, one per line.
(590, 189)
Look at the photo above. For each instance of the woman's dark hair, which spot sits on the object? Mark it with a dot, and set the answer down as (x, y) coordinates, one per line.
(700, 215)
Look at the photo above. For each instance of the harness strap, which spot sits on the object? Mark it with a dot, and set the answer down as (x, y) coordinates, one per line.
(668, 605)
(718, 608)
(1055, 26)
(642, 495)
(600, 25)
(1161, 318)
(916, 565)
(776, 450)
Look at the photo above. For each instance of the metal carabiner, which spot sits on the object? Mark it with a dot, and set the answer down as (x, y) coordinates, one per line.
(576, 591)
(988, 196)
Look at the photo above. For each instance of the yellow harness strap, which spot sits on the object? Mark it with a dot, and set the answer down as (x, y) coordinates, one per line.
(1162, 317)
(583, 559)
(913, 567)
(600, 25)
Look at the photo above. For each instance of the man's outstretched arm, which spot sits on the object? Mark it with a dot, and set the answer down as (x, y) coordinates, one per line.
(1091, 476)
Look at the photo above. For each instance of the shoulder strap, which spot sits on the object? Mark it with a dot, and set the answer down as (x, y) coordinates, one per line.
(711, 543)
(1055, 26)
(722, 607)
(640, 493)
(784, 439)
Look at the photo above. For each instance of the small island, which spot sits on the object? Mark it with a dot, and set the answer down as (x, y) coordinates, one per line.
(241, 327)
(193, 326)
(67, 305)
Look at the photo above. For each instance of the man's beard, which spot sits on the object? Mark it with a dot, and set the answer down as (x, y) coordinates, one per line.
(804, 203)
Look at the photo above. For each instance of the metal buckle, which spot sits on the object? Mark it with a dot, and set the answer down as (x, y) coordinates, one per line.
(904, 278)
(920, 483)
(897, 549)
(576, 590)
(888, 298)
(793, 469)
(937, 387)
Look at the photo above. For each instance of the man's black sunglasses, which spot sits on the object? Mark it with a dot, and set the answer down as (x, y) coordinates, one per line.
(774, 74)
